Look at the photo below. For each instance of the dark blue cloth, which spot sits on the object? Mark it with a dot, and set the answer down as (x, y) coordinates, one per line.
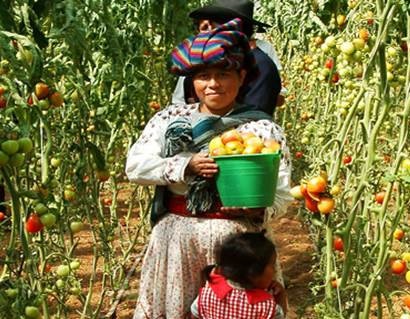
(261, 93)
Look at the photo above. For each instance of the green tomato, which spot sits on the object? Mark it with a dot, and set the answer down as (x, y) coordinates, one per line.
(63, 271)
(55, 162)
(11, 292)
(48, 219)
(60, 284)
(405, 164)
(76, 227)
(75, 264)
(43, 104)
(16, 160)
(40, 208)
(347, 48)
(25, 145)
(10, 147)
(4, 158)
(32, 312)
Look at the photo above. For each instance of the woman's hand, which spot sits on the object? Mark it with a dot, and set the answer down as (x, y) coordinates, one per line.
(202, 165)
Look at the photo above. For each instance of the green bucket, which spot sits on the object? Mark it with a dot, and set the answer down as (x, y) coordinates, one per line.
(247, 180)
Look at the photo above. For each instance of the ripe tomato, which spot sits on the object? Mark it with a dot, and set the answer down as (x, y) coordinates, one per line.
(299, 154)
(154, 105)
(398, 234)
(303, 190)
(326, 205)
(107, 201)
(316, 185)
(338, 243)
(3, 102)
(347, 159)
(33, 224)
(379, 197)
(364, 34)
(406, 300)
(398, 266)
(311, 204)
(335, 77)
(41, 90)
(335, 283)
(2, 216)
(329, 63)
(102, 175)
(56, 99)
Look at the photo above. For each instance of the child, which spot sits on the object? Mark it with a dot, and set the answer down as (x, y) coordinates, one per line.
(237, 287)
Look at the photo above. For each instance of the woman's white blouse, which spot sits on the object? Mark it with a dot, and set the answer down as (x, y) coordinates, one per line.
(147, 164)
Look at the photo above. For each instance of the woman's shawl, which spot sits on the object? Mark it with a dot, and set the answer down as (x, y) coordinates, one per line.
(180, 136)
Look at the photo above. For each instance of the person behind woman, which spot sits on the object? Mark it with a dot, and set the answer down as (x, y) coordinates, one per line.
(171, 153)
(263, 93)
(238, 285)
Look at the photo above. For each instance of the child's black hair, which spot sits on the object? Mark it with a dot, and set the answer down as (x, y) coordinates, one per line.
(243, 256)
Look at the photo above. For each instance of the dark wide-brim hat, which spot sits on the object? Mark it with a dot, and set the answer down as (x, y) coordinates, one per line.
(229, 9)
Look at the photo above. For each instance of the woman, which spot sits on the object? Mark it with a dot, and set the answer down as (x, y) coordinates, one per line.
(189, 222)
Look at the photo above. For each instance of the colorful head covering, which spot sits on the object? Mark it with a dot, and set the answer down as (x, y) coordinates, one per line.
(224, 46)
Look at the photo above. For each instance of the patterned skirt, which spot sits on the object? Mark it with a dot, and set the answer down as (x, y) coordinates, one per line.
(179, 248)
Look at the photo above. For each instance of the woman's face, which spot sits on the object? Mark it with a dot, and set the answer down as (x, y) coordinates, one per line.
(217, 89)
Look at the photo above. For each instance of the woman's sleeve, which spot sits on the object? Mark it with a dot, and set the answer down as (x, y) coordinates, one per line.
(146, 163)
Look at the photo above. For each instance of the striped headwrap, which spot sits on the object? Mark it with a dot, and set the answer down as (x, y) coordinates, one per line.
(224, 46)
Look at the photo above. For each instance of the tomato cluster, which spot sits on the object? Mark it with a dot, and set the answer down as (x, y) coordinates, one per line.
(315, 195)
(44, 97)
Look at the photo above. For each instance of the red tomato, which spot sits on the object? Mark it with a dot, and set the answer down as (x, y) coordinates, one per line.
(3, 102)
(347, 159)
(303, 190)
(311, 204)
(299, 154)
(33, 224)
(2, 216)
(398, 266)
(107, 201)
(338, 243)
(335, 77)
(56, 99)
(329, 63)
(379, 197)
(102, 175)
(316, 185)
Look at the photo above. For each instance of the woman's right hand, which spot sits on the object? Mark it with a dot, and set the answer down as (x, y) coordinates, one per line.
(202, 165)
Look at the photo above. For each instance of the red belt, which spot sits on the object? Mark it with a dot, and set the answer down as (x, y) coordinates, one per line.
(176, 204)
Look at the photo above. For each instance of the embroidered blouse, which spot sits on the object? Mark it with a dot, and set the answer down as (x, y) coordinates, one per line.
(147, 164)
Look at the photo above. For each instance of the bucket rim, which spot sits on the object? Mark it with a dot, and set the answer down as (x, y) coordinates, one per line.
(246, 155)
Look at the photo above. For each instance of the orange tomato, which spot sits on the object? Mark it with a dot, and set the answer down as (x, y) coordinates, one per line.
(398, 266)
(326, 205)
(316, 185)
(379, 197)
(398, 234)
(406, 300)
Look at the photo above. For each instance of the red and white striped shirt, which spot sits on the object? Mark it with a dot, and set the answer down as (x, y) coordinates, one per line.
(219, 300)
